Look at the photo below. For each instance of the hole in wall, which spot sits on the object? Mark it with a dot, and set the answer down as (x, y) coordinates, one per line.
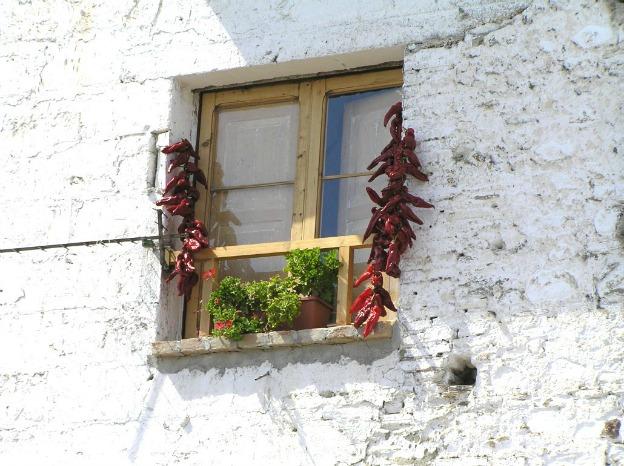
(612, 429)
(460, 370)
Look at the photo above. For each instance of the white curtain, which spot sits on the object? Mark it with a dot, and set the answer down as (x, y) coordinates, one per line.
(363, 138)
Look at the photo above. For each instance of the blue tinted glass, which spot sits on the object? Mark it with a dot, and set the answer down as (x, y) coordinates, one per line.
(335, 119)
(345, 207)
(329, 211)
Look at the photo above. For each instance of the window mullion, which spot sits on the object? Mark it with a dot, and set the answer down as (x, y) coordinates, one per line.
(303, 153)
(205, 146)
(315, 155)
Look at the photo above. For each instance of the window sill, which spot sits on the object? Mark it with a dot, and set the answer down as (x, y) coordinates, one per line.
(265, 341)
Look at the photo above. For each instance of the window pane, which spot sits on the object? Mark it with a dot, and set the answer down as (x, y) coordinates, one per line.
(260, 268)
(346, 208)
(252, 215)
(256, 145)
(354, 132)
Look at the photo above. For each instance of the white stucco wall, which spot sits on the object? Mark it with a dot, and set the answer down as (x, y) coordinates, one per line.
(518, 107)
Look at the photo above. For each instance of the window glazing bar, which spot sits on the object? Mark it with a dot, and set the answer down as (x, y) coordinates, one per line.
(346, 175)
(247, 186)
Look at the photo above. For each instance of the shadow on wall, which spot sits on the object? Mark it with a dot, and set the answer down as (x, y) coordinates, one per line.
(296, 368)
(281, 385)
(279, 31)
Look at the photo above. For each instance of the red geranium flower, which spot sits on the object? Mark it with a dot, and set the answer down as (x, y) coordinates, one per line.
(221, 324)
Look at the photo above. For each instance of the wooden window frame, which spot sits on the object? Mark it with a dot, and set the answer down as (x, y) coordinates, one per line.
(312, 95)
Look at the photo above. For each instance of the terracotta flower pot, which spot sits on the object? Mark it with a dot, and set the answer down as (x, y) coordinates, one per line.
(314, 313)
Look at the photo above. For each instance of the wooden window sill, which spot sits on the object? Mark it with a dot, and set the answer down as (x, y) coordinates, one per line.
(265, 341)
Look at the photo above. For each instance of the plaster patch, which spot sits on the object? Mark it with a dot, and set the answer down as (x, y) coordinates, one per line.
(549, 285)
(551, 151)
(594, 36)
(548, 421)
(605, 221)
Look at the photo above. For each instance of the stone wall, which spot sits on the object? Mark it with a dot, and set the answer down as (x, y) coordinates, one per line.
(517, 273)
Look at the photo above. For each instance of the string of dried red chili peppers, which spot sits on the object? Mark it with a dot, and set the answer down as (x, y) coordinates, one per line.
(179, 199)
(389, 224)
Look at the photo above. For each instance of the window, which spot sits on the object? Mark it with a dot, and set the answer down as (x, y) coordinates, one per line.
(286, 167)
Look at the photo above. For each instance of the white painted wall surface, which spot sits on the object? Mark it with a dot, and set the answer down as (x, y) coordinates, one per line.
(518, 107)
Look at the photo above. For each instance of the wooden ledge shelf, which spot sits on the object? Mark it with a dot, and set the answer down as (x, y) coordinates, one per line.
(265, 341)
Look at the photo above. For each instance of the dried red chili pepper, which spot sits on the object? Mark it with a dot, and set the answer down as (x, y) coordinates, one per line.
(395, 110)
(360, 317)
(380, 171)
(180, 146)
(416, 201)
(409, 140)
(360, 301)
(173, 182)
(365, 276)
(372, 223)
(173, 199)
(409, 214)
(181, 202)
(389, 223)
(183, 209)
(179, 160)
(416, 173)
(372, 320)
(373, 196)
(376, 279)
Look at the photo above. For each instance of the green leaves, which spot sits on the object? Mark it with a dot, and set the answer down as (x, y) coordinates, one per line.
(314, 272)
(231, 291)
(283, 304)
(238, 308)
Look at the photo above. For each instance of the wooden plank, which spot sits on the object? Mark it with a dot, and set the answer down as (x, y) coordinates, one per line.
(190, 317)
(206, 289)
(345, 285)
(237, 187)
(303, 152)
(346, 175)
(317, 127)
(192, 306)
(364, 81)
(206, 145)
(274, 93)
(244, 251)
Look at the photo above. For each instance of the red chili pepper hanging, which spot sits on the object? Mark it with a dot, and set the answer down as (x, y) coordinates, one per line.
(181, 146)
(389, 223)
(180, 200)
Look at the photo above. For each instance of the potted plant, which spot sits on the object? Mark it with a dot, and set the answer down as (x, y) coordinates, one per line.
(237, 307)
(275, 301)
(314, 274)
